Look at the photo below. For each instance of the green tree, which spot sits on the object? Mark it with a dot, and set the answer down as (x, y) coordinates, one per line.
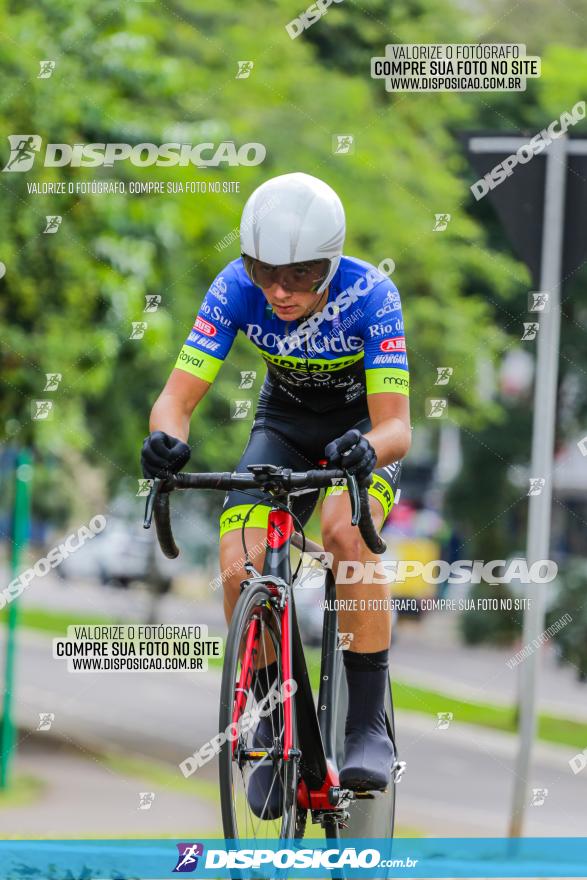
(148, 73)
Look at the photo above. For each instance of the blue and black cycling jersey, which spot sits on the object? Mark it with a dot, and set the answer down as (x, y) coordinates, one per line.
(352, 347)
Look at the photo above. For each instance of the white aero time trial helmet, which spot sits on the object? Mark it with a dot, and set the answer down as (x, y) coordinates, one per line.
(294, 218)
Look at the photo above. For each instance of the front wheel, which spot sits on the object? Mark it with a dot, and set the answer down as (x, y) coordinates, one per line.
(254, 641)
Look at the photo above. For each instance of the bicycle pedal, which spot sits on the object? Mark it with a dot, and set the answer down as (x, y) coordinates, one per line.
(398, 770)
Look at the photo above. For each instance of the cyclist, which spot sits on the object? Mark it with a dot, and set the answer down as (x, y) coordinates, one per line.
(331, 332)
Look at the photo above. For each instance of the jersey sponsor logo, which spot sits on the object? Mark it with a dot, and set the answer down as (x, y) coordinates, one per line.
(391, 303)
(298, 377)
(396, 380)
(203, 342)
(192, 360)
(317, 380)
(333, 342)
(219, 317)
(308, 365)
(356, 390)
(397, 344)
(377, 330)
(231, 519)
(382, 359)
(380, 487)
(218, 289)
(392, 469)
(205, 327)
(216, 313)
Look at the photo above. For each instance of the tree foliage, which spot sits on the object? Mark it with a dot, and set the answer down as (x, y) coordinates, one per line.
(138, 72)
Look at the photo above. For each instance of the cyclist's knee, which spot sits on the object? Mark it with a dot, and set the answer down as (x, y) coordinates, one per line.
(340, 538)
(344, 542)
(232, 560)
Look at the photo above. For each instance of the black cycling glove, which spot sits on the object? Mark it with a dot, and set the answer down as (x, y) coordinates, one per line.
(353, 453)
(161, 453)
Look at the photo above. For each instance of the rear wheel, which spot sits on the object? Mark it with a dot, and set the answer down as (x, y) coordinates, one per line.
(255, 629)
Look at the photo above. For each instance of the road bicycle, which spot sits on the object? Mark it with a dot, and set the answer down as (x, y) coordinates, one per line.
(306, 740)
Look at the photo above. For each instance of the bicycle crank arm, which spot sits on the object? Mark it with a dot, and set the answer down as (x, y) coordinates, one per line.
(341, 797)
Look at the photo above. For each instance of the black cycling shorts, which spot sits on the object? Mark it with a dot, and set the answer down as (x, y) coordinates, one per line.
(295, 437)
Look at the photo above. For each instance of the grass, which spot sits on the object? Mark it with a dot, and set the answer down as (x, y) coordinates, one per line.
(24, 790)
(563, 731)
(551, 729)
(54, 622)
(417, 699)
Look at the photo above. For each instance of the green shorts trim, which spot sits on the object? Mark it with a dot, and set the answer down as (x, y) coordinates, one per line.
(379, 489)
(234, 517)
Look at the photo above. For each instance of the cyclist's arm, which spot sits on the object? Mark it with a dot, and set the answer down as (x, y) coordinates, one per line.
(174, 406)
(387, 375)
(201, 357)
(391, 434)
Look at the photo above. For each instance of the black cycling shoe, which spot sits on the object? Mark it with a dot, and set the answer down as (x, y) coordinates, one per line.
(369, 757)
(265, 790)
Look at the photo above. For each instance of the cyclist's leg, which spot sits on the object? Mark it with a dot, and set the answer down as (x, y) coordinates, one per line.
(371, 627)
(369, 752)
(266, 446)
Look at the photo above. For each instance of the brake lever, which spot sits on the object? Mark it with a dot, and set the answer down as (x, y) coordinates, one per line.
(150, 503)
(353, 488)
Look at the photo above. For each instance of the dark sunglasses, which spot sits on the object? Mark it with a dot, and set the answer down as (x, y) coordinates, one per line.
(305, 277)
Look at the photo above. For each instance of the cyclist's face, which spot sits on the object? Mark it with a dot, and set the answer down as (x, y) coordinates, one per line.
(290, 305)
(290, 289)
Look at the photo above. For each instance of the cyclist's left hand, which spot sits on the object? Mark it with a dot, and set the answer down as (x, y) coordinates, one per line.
(354, 454)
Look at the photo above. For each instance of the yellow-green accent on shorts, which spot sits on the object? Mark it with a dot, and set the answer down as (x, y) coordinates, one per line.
(233, 517)
(379, 489)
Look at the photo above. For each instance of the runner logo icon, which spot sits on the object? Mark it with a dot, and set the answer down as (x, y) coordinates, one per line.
(23, 149)
(187, 860)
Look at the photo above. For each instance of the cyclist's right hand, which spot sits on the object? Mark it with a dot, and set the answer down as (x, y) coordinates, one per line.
(162, 453)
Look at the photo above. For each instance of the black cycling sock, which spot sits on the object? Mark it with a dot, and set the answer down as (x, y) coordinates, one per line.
(367, 677)
(368, 750)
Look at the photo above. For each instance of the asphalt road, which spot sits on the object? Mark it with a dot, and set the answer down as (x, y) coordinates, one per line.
(458, 780)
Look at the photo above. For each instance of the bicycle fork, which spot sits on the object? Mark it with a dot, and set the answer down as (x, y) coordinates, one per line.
(277, 578)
